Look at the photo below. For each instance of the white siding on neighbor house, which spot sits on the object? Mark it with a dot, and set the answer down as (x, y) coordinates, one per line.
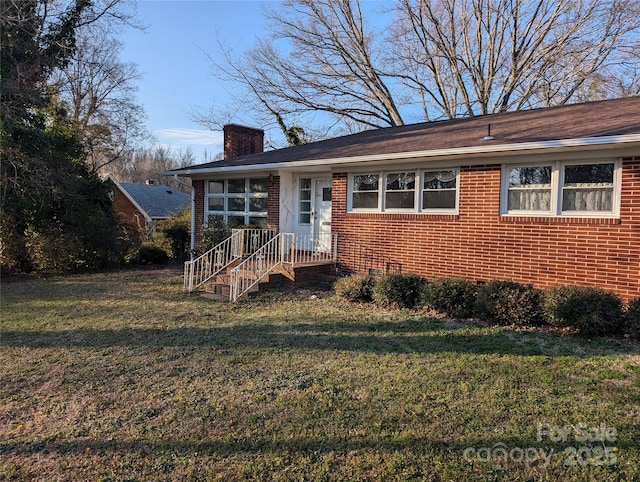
(287, 202)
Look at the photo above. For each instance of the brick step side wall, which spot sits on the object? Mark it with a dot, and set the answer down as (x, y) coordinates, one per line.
(302, 276)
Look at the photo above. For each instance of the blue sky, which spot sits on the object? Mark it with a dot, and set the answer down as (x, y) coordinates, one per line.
(177, 76)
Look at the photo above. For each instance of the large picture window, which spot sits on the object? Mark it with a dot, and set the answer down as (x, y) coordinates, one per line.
(238, 201)
(410, 191)
(561, 188)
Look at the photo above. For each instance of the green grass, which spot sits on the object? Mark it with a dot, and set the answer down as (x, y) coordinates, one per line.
(121, 376)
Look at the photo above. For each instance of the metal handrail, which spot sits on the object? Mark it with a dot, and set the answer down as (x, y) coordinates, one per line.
(285, 248)
(253, 269)
(242, 242)
(204, 267)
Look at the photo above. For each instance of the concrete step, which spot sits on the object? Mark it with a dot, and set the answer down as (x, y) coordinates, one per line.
(213, 296)
(247, 275)
(222, 289)
(233, 264)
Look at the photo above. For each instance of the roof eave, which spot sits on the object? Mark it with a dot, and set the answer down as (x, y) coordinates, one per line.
(135, 203)
(556, 145)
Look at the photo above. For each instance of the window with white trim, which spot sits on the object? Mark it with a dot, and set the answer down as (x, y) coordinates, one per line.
(400, 190)
(588, 188)
(421, 191)
(304, 208)
(365, 191)
(238, 201)
(440, 189)
(529, 188)
(566, 188)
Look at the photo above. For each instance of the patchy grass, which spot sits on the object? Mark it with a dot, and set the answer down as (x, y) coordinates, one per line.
(121, 376)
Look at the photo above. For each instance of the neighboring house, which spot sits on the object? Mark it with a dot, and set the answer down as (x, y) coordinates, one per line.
(546, 196)
(142, 206)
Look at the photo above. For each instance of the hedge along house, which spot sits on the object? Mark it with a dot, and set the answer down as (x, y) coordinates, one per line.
(546, 196)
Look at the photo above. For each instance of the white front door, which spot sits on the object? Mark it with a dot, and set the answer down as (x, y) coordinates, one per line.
(321, 213)
(314, 214)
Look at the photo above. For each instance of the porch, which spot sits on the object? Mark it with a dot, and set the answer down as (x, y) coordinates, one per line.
(253, 257)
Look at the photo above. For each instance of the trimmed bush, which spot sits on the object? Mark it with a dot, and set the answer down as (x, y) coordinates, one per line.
(147, 255)
(177, 232)
(588, 310)
(509, 303)
(357, 287)
(213, 235)
(632, 319)
(402, 290)
(455, 297)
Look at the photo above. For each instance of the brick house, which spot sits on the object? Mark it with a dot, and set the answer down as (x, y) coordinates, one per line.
(546, 196)
(143, 206)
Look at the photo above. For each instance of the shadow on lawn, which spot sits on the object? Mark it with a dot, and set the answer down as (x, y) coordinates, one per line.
(414, 336)
(311, 444)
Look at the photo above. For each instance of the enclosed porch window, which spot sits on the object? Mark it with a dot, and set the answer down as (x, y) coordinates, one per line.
(238, 201)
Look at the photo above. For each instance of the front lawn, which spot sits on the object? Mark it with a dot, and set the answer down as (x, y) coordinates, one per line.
(121, 376)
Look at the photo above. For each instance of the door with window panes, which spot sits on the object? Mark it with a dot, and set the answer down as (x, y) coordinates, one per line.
(314, 209)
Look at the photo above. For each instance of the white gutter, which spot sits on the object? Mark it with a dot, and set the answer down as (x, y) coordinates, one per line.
(193, 222)
(495, 149)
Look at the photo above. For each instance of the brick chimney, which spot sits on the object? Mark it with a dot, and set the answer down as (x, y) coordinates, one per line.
(242, 141)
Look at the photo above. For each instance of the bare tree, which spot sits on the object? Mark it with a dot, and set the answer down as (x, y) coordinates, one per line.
(480, 56)
(145, 164)
(330, 66)
(99, 91)
(438, 58)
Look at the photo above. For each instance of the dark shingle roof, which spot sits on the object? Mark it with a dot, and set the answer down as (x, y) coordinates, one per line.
(158, 201)
(587, 120)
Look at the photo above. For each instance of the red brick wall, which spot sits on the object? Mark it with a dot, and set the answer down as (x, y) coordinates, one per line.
(479, 244)
(273, 203)
(304, 275)
(242, 141)
(127, 212)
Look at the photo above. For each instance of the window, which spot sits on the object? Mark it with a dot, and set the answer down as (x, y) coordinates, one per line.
(216, 204)
(415, 191)
(529, 188)
(258, 185)
(304, 216)
(561, 188)
(588, 188)
(238, 201)
(236, 186)
(400, 190)
(439, 189)
(365, 191)
(216, 187)
(235, 204)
